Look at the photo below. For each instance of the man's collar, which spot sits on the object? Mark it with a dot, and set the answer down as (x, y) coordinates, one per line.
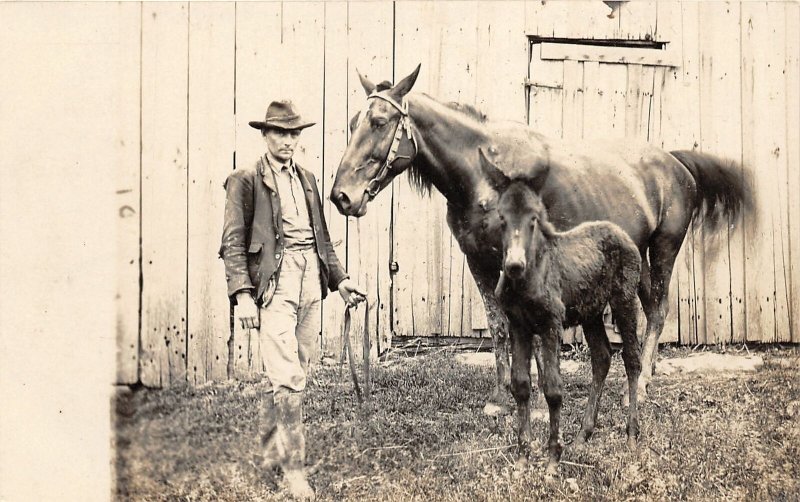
(277, 166)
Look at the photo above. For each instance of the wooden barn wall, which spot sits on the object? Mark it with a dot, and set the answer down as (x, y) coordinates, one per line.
(195, 73)
(733, 92)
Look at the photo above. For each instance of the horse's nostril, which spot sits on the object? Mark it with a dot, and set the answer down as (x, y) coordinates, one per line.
(344, 200)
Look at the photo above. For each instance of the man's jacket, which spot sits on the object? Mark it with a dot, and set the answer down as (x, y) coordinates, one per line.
(252, 235)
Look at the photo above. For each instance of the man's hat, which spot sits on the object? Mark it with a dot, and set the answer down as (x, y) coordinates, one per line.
(281, 115)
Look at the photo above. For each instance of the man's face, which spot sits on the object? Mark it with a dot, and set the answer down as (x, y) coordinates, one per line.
(281, 143)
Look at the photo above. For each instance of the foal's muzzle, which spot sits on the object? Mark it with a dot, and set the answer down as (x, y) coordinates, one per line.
(514, 269)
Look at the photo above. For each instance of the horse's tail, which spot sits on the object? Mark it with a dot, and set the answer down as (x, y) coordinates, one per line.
(723, 189)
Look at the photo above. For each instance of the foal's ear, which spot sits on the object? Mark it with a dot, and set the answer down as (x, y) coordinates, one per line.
(405, 85)
(365, 83)
(536, 180)
(497, 178)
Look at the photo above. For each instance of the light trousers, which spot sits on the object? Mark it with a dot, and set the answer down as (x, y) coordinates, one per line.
(291, 322)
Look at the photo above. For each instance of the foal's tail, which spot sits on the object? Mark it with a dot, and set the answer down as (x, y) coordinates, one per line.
(723, 189)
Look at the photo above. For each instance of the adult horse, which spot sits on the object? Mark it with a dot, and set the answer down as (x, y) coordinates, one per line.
(652, 194)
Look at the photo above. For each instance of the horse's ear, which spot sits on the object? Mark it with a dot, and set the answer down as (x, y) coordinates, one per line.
(497, 178)
(405, 85)
(365, 83)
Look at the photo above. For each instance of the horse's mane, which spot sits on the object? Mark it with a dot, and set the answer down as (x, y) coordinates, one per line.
(422, 185)
(468, 110)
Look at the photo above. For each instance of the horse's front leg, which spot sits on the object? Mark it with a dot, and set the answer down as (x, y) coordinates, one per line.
(521, 390)
(498, 328)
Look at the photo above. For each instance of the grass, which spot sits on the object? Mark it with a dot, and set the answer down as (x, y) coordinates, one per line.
(422, 436)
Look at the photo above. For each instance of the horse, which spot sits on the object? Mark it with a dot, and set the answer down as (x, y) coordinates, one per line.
(554, 280)
(653, 195)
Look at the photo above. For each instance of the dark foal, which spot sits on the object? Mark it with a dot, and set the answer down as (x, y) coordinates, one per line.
(552, 280)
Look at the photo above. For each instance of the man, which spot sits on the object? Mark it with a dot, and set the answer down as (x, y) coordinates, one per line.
(279, 263)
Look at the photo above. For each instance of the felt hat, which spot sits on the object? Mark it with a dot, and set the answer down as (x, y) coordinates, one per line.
(281, 115)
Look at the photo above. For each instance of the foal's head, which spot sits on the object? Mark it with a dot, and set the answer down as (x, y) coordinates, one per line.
(523, 219)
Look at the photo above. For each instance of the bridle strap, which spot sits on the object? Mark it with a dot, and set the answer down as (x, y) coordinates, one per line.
(403, 126)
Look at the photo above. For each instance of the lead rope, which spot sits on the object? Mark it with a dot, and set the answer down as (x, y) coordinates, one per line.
(347, 351)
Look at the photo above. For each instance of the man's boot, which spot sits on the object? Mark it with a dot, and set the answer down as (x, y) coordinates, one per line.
(291, 444)
(268, 429)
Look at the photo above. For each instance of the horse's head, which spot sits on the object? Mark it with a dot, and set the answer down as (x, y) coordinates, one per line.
(522, 215)
(381, 146)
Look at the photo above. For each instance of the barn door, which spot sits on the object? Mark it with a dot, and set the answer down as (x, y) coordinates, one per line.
(595, 91)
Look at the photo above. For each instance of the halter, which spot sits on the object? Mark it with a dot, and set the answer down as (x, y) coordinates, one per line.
(403, 125)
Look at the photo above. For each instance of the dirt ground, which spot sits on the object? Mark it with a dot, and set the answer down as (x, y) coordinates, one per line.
(720, 434)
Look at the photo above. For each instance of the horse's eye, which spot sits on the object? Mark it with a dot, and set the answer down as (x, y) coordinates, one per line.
(378, 124)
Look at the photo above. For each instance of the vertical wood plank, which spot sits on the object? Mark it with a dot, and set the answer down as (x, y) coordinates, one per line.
(502, 57)
(259, 58)
(128, 178)
(415, 35)
(680, 130)
(604, 100)
(164, 170)
(691, 82)
(720, 133)
(669, 28)
(211, 146)
(792, 66)
(458, 24)
(759, 107)
(335, 126)
(776, 82)
(369, 45)
(638, 94)
(573, 100)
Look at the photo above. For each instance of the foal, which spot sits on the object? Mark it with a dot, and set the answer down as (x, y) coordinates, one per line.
(552, 280)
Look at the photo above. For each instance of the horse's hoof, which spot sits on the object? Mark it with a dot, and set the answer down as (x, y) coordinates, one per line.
(580, 441)
(633, 444)
(550, 473)
(495, 410)
(520, 468)
(641, 392)
(540, 414)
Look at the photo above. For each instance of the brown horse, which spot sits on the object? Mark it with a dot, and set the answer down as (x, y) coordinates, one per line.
(554, 280)
(651, 194)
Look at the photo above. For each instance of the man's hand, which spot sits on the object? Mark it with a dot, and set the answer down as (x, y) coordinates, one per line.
(246, 310)
(351, 292)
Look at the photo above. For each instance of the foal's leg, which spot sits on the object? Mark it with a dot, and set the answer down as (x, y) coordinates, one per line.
(594, 332)
(540, 411)
(553, 393)
(521, 389)
(625, 312)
